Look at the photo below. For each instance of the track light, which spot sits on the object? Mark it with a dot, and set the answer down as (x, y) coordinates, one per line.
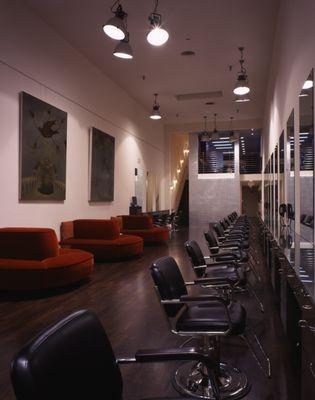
(115, 26)
(155, 114)
(123, 49)
(157, 35)
(241, 87)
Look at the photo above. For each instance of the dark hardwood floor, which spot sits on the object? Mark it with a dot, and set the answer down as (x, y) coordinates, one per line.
(123, 296)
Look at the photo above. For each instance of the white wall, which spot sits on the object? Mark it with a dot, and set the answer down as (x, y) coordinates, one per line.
(35, 59)
(293, 58)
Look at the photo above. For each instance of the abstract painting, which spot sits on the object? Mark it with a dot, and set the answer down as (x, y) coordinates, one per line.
(102, 163)
(43, 147)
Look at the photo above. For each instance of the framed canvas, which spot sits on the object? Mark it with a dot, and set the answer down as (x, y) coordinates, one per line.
(43, 148)
(102, 163)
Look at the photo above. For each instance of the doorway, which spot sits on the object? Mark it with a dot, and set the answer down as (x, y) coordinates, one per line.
(250, 199)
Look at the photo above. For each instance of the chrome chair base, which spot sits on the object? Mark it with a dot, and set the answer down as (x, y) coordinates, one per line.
(191, 379)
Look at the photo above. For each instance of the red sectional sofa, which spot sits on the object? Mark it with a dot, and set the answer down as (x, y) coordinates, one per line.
(30, 259)
(142, 225)
(101, 237)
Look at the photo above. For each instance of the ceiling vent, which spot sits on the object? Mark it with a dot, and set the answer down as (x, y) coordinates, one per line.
(198, 96)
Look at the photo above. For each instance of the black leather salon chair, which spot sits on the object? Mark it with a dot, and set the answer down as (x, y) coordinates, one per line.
(205, 318)
(73, 360)
(223, 266)
(229, 250)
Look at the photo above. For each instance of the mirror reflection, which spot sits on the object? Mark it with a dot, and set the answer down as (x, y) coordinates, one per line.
(290, 153)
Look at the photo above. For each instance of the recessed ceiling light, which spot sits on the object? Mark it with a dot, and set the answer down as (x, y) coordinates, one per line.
(188, 53)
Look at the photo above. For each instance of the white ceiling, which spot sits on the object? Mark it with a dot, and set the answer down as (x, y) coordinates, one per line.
(215, 29)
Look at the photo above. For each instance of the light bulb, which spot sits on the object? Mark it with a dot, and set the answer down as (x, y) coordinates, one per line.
(157, 36)
(308, 84)
(115, 28)
(123, 50)
(241, 90)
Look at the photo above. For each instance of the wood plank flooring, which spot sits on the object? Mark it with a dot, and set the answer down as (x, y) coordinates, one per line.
(123, 296)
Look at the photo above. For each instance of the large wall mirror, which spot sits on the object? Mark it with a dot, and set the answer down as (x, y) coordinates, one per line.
(290, 155)
(281, 170)
(276, 186)
(272, 194)
(268, 194)
(306, 142)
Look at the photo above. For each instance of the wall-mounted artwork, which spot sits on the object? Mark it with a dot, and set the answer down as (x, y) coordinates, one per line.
(43, 147)
(102, 162)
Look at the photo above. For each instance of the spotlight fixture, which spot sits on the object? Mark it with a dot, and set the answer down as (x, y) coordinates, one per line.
(115, 26)
(204, 137)
(155, 114)
(123, 49)
(241, 87)
(308, 84)
(215, 134)
(157, 35)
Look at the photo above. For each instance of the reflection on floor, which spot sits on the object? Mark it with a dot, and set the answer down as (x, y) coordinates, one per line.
(123, 296)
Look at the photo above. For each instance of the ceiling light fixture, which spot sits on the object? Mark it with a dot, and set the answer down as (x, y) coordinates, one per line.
(240, 99)
(157, 35)
(123, 49)
(115, 26)
(215, 134)
(204, 137)
(155, 114)
(241, 87)
(308, 84)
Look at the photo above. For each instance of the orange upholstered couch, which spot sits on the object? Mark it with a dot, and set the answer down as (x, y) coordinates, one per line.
(30, 258)
(101, 237)
(142, 225)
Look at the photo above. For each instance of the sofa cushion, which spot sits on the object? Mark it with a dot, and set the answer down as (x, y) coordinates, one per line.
(66, 230)
(28, 243)
(118, 220)
(153, 235)
(69, 267)
(125, 246)
(137, 222)
(105, 229)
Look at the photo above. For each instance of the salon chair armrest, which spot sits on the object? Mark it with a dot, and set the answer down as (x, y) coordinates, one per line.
(177, 354)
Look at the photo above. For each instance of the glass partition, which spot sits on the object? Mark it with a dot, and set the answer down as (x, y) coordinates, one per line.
(216, 155)
(306, 143)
